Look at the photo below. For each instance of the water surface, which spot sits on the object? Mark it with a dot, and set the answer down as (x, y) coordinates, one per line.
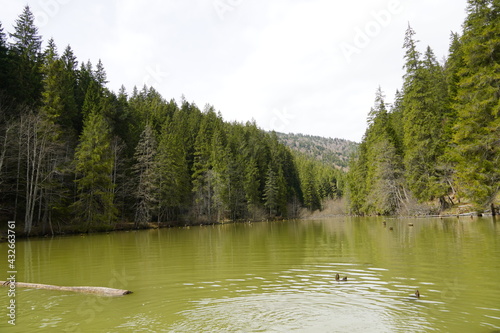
(268, 277)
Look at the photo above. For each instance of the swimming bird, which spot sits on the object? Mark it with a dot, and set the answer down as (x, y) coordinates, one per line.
(417, 294)
(337, 277)
(344, 278)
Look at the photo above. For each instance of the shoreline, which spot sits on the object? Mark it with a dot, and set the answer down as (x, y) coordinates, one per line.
(129, 226)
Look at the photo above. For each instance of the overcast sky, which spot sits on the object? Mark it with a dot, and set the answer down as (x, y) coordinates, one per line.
(301, 66)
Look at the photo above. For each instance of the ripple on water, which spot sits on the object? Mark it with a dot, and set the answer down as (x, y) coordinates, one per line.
(305, 300)
(284, 312)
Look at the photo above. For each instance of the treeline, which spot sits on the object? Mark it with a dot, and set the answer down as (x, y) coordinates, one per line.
(440, 140)
(75, 155)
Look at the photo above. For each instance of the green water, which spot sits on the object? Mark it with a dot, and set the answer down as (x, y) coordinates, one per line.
(267, 277)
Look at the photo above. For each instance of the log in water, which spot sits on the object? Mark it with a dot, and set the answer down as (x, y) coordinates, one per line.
(101, 291)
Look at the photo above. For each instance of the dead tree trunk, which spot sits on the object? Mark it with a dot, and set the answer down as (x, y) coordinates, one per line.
(101, 291)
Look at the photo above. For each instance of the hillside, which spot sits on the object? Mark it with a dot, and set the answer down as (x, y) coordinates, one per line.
(327, 150)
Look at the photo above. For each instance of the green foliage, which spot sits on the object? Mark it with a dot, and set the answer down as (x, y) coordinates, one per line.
(477, 131)
(375, 177)
(426, 105)
(94, 166)
(99, 151)
(442, 132)
(58, 99)
(147, 176)
(173, 172)
(271, 192)
(26, 60)
(174, 162)
(4, 63)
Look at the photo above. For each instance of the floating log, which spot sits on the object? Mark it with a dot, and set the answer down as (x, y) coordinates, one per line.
(101, 291)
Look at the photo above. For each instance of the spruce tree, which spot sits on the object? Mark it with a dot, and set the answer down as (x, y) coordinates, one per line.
(94, 167)
(174, 181)
(251, 186)
(425, 105)
(146, 172)
(26, 60)
(58, 94)
(478, 104)
(271, 192)
(4, 63)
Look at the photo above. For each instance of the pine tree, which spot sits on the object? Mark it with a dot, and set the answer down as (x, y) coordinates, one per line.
(310, 190)
(221, 184)
(100, 74)
(478, 104)
(425, 105)
(146, 172)
(251, 186)
(173, 172)
(26, 49)
(94, 167)
(202, 175)
(53, 93)
(375, 177)
(4, 63)
(271, 192)
(69, 83)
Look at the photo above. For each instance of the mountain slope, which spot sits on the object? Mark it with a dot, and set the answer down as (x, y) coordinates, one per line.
(327, 150)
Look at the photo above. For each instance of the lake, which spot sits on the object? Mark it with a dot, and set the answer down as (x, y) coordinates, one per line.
(267, 277)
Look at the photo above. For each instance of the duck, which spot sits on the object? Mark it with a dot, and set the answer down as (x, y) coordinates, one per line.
(417, 294)
(344, 278)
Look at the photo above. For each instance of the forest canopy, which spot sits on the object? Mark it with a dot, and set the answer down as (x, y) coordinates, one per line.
(440, 140)
(75, 155)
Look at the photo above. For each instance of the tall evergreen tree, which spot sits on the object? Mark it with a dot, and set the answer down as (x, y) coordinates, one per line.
(271, 192)
(478, 104)
(252, 186)
(425, 105)
(4, 64)
(375, 180)
(26, 60)
(58, 94)
(94, 167)
(146, 171)
(174, 177)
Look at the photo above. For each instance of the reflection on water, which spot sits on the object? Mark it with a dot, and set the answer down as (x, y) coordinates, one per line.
(269, 277)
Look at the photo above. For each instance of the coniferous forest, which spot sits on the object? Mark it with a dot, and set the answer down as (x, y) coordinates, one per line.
(440, 140)
(76, 156)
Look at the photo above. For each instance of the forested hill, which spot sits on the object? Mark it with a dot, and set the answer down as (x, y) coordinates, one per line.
(440, 140)
(76, 156)
(327, 150)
